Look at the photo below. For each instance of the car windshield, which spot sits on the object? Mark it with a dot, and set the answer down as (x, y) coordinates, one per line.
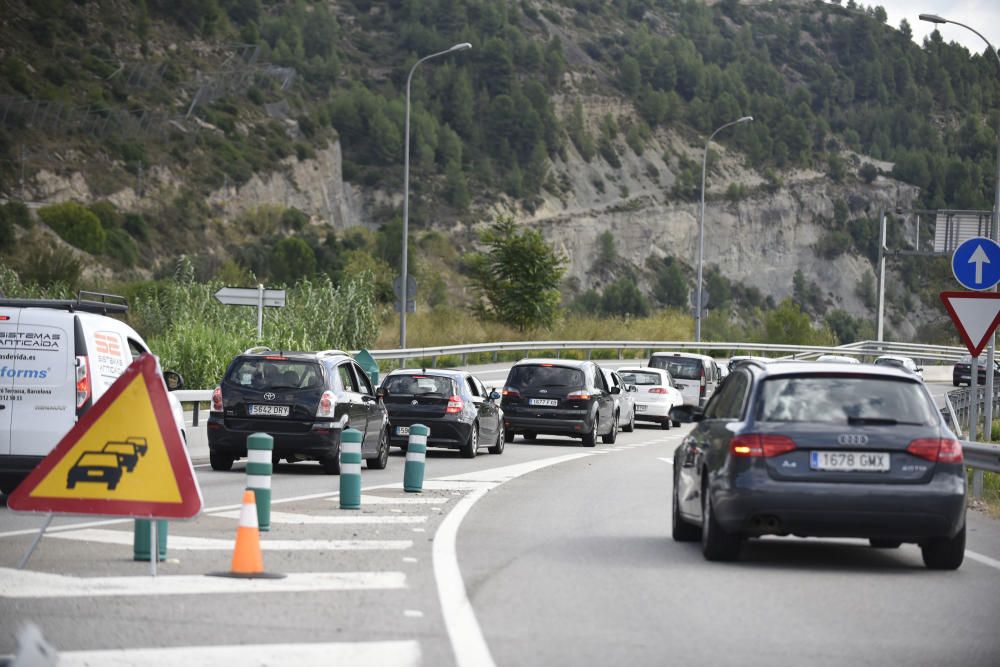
(642, 378)
(685, 368)
(842, 399)
(543, 375)
(418, 384)
(257, 373)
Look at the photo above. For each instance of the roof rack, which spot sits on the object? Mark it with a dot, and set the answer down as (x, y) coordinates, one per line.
(85, 302)
(257, 349)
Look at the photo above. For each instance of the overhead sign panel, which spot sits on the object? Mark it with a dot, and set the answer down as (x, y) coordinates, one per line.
(976, 316)
(249, 296)
(976, 263)
(952, 228)
(125, 457)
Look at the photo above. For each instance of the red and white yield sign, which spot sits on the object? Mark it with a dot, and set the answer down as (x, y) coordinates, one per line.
(976, 316)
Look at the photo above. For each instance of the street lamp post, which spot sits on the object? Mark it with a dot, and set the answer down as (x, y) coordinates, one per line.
(701, 228)
(406, 189)
(991, 351)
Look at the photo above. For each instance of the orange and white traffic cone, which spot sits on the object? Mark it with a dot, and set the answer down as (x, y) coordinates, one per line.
(248, 562)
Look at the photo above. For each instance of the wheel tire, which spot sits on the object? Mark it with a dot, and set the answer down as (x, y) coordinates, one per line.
(590, 439)
(681, 530)
(716, 543)
(380, 461)
(529, 436)
(508, 436)
(630, 426)
(665, 425)
(472, 444)
(612, 435)
(275, 460)
(501, 439)
(331, 464)
(676, 423)
(881, 543)
(220, 461)
(944, 553)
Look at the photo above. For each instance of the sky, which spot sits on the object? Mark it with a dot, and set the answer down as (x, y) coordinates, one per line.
(983, 15)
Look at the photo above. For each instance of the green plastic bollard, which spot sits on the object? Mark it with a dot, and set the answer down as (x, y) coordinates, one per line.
(416, 452)
(350, 469)
(141, 536)
(259, 468)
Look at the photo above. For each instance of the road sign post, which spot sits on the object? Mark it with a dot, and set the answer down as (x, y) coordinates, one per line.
(252, 296)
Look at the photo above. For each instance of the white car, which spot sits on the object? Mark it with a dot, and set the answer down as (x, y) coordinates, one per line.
(655, 394)
(900, 362)
(624, 403)
(57, 358)
(837, 359)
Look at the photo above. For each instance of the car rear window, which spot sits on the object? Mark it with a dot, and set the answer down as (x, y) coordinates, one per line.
(275, 374)
(419, 384)
(889, 362)
(641, 378)
(842, 399)
(530, 376)
(680, 367)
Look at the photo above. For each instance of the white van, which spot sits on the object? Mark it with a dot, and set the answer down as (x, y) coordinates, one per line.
(56, 359)
(696, 375)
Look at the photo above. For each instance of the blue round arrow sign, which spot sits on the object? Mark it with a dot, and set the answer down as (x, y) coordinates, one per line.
(976, 263)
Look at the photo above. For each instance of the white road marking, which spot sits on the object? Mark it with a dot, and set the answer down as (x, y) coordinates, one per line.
(28, 584)
(666, 459)
(413, 613)
(337, 520)
(980, 558)
(419, 530)
(399, 500)
(409, 559)
(449, 485)
(184, 543)
(359, 654)
(507, 473)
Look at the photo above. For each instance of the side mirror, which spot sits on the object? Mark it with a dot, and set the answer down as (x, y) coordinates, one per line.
(687, 414)
(616, 390)
(380, 393)
(173, 380)
(494, 395)
(632, 387)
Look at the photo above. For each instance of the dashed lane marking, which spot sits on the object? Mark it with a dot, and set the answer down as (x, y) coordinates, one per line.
(980, 558)
(28, 584)
(359, 654)
(665, 459)
(337, 520)
(397, 500)
(184, 543)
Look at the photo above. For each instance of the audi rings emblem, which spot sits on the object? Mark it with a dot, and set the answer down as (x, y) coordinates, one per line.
(413, 402)
(854, 439)
(269, 396)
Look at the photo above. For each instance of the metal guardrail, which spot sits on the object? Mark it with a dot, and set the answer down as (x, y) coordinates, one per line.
(981, 456)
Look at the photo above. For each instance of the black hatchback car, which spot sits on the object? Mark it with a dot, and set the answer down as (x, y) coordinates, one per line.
(461, 413)
(559, 397)
(961, 372)
(301, 399)
(806, 449)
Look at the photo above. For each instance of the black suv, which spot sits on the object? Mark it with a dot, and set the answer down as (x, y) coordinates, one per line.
(301, 399)
(559, 397)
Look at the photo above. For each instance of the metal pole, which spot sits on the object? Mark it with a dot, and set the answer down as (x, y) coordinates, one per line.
(974, 396)
(260, 312)
(34, 543)
(881, 281)
(154, 551)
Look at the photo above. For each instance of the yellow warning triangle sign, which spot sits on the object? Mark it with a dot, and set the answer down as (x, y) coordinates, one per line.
(124, 457)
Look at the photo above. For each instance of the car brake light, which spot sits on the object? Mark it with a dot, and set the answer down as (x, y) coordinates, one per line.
(757, 445)
(275, 358)
(510, 391)
(455, 405)
(582, 395)
(658, 390)
(701, 391)
(82, 381)
(943, 450)
(327, 405)
(217, 400)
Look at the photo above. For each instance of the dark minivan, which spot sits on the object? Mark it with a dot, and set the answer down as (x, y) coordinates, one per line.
(559, 397)
(301, 399)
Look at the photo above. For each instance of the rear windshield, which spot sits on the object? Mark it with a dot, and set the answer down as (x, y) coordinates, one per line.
(889, 362)
(529, 376)
(641, 378)
(842, 400)
(275, 374)
(419, 384)
(680, 367)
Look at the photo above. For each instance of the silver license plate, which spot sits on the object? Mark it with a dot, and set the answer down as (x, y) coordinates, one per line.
(850, 461)
(545, 402)
(640, 408)
(402, 430)
(268, 410)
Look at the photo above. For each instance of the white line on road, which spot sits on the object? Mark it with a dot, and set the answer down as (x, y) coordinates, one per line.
(28, 584)
(665, 459)
(985, 560)
(337, 520)
(399, 500)
(184, 543)
(360, 654)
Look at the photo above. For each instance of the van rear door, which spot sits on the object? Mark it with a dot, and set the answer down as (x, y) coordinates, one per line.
(44, 381)
(8, 341)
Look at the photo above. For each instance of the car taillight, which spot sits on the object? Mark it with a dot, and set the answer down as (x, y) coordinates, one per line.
(942, 450)
(510, 391)
(82, 381)
(757, 445)
(217, 400)
(327, 405)
(658, 390)
(701, 390)
(582, 395)
(455, 405)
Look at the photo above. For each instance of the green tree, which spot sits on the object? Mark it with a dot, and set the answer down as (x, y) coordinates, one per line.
(623, 298)
(518, 275)
(291, 260)
(788, 324)
(669, 288)
(76, 225)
